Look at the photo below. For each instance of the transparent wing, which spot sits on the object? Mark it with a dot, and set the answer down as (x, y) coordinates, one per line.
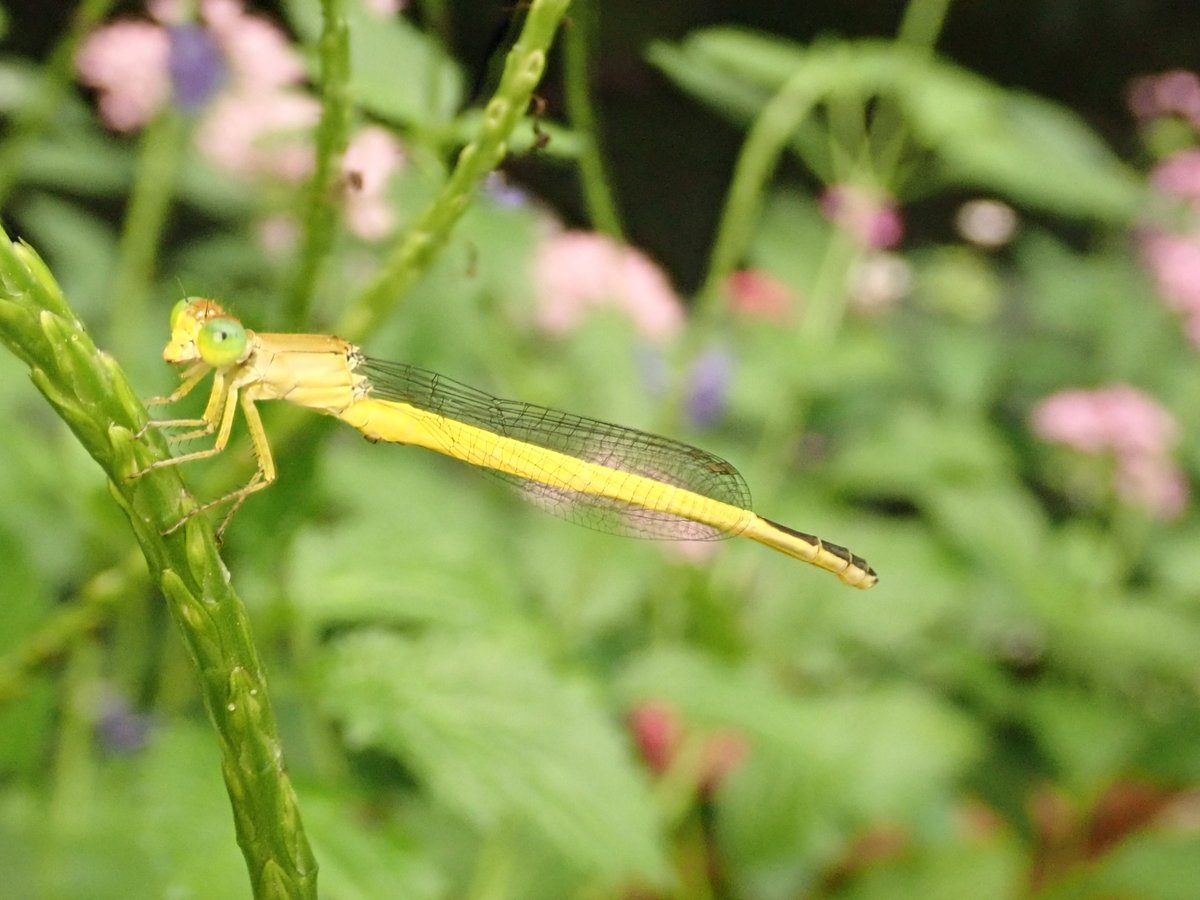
(613, 446)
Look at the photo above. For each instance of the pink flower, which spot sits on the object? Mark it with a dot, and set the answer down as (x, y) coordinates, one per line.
(1154, 484)
(372, 157)
(238, 68)
(575, 272)
(259, 55)
(1133, 428)
(662, 740)
(760, 295)
(260, 134)
(1073, 418)
(657, 732)
(1174, 263)
(1118, 418)
(1173, 93)
(1173, 257)
(126, 62)
(1179, 175)
(873, 220)
(1138, 424)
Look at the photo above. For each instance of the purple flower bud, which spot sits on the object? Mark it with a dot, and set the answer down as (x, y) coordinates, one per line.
(119, 727)
(196, 65)
(708, 393)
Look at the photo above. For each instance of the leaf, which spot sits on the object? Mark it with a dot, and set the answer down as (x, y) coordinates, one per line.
(396, 71)
(1156, 864)
(914, 452)
(998, 526)
(27, 700)
(82, 163)
(1087, 735)
(820, 767)
(817, 763)
(362, 858)
(400, 73)
(735, 98)
(944, 870)
(183, 825)
(411, 542)
(1020, 145)
(152, 825)
(497, 738)
(1147, 650)
(978, 134)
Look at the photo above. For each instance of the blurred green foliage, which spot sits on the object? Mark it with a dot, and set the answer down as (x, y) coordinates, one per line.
(1013, 711)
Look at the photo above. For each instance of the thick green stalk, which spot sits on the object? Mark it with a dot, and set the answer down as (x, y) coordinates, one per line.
(92, 395)
(523, 70)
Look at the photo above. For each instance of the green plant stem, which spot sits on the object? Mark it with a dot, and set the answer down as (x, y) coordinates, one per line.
(321, 213)
(436, 16)
(149, 202)
(765, 143)
(523, 70)
(55, 79)
(922, 23)
(294, 431)
(888, 128)
(828, 295)
(826, 311)
(92, 395)
(597, 190)
(74, 766)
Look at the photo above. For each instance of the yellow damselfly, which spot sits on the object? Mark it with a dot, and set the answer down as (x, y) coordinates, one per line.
(601, 475)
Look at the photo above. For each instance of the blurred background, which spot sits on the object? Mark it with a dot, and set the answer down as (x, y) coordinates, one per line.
(927, 273)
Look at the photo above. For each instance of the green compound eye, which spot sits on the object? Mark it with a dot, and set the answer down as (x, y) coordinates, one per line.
(221, 342)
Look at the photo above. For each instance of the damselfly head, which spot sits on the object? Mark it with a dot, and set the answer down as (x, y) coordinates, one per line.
(187, 318)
